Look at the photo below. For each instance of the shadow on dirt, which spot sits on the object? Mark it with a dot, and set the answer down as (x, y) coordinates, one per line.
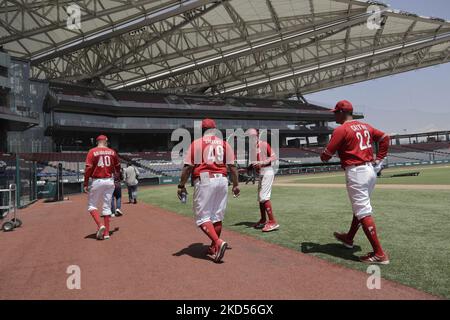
(94, 235)
(195, 250)
(332, 249)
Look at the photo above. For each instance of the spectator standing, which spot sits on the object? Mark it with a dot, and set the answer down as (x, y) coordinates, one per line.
(131, 175)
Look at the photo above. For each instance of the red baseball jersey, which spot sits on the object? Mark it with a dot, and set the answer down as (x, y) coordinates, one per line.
(101, 162)
(264, 154)
(354, 141)
(209, 154)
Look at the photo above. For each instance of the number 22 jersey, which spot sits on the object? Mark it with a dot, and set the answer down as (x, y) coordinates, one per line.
(101, 162)
(353, 141)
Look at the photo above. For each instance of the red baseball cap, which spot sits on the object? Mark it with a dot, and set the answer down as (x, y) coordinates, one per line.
(208, 124)
(102, 137)
(343, 106)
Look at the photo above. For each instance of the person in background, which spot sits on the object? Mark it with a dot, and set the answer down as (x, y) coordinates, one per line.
(116, 202)
(131, 175)
(251, 172)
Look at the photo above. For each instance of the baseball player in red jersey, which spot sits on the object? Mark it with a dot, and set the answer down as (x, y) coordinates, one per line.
(208, 160)
(102, 163)
(353, 141)
(263, 166)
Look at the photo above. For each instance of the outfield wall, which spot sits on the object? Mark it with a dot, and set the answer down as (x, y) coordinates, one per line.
(417, 163)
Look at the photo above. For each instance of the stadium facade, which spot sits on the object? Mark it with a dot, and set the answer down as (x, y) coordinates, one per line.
(143, 121)
(21, 102)
(48, 116)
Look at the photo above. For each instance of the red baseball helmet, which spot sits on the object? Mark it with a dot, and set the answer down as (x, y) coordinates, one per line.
(343, 106)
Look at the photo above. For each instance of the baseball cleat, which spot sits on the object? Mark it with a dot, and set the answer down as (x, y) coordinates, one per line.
(119, 212)
(270, 226)
(211, 251)
(106, 237)
(342, 237)
(220, 252)
(372, 258)
(260, 224)
(100, 232)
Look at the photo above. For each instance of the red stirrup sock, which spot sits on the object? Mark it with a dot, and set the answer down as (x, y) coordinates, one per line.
(96, 216)
(268, 207)
(106, 221)
(353, 229)
(218, 228)
(208, 229)
(370, 230)
(262, 210)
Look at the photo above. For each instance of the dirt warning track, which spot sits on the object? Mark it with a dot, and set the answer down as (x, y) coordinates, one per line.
(156, 254)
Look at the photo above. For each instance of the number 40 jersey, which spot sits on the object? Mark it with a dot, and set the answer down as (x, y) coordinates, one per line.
(354, 140)
(101, 162)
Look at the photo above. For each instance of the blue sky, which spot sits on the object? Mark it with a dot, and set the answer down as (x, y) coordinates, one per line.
(414, 101)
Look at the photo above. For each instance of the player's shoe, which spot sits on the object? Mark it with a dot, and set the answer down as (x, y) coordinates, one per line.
(100, 232)
(372, 258)
(260, 224)
(211, 251)
(119, 212)
(106, 237)
(342, 237)
(221, 248)
(270, 226)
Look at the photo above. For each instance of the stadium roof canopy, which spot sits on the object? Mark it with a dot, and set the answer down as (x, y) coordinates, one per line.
(266, 48)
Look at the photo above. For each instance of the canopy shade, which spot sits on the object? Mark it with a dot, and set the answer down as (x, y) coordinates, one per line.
(265, 48)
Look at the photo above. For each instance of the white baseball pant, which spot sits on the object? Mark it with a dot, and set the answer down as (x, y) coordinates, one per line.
(210, 199)
(101, 190)
(265, 184)
(361, 181)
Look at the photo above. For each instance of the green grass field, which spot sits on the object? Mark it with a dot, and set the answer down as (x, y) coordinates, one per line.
(431, 175)
(413, 226)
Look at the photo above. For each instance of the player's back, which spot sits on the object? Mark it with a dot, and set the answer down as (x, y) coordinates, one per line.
(209, 154)
(104, 162)
(357, 145)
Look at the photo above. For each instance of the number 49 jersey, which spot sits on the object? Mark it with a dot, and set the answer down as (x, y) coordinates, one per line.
(101, 162)
(354, 142)
(209, 154)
